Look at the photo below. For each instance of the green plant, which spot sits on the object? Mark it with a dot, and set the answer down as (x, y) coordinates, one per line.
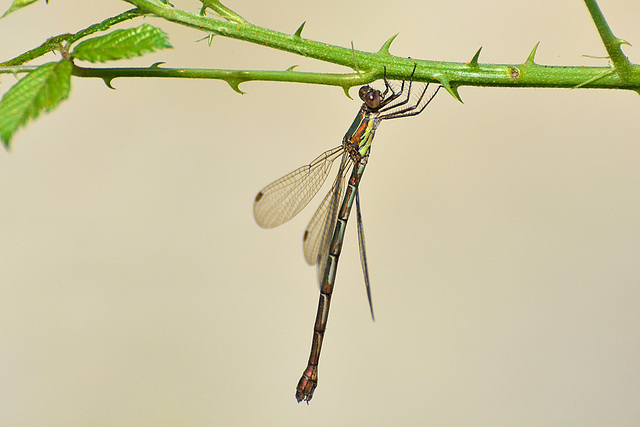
(47, 85)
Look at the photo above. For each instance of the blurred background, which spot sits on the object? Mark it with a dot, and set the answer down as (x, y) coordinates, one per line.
(503, 233)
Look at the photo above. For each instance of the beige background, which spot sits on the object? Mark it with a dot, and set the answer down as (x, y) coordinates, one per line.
(503, 234)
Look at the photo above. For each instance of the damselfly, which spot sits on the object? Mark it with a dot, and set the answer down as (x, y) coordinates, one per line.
(281, 200)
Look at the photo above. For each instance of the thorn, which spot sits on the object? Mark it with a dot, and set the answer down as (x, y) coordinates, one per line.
(452, 89)
(346, 91)
(621, 42)
(385, 47)
(291, 68)
(107, 81)
(235, 85)
(298, 32)
(474, 61)
(156, 64)
(530, 60)
(209, 39)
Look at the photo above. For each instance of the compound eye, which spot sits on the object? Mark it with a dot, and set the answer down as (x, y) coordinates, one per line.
(362, 93)
(372, 98)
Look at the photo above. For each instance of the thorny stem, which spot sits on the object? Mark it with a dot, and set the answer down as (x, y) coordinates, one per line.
(623, 67)
(371, 64)
(368, 66)
(54, 43)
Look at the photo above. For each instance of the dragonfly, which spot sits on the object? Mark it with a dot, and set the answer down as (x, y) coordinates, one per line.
(284, 198)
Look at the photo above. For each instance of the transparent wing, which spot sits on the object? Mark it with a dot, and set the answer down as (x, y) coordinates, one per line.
(363, 252)
(316, 230)
(330, 225)
(281, 200)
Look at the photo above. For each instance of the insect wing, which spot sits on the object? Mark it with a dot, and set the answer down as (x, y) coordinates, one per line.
(315, 230)
(284, 198)
(363, 252)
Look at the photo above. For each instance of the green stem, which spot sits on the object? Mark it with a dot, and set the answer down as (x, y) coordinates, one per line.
(621, 63)
(485, 75)
(369, 66)
(372, 65)
(232, 77)
(55, 43)
(222, 10)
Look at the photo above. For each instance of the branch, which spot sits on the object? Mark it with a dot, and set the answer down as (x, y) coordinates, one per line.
(373, 64)
(621, 64)
(54, 43)
(232, 77)
(42, 90)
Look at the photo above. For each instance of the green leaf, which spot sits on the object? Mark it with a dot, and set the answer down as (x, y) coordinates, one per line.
(43, 89)
(122, 44)
(18, 4)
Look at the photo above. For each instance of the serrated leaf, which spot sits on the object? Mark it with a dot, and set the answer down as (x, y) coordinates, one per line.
(122, 44)
(18, 4)
(42, 90)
